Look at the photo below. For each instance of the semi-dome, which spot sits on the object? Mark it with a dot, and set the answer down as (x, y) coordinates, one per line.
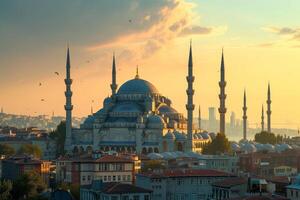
(205, 136)
(155, 121)
(164, 108)
(137, 86)
(248, 148)
(179, 136)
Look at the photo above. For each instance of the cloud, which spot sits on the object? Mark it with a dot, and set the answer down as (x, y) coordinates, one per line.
(170, 20)
(288, 37)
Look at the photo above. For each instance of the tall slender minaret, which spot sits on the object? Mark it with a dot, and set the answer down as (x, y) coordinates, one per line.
(222, 96)
(269, 109)
(68, 106)
(113, 84)
(262, 119)
(190, 106)
(245, 117)
(199, 118)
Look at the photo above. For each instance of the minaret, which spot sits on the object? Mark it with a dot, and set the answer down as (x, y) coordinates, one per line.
(190, 106)
(262, 119)
(269, 109)
(199, 118)
(113, 84)
(68, 106)
(245, 117)
(222, 97)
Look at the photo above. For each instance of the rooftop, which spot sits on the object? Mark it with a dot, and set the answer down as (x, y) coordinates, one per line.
(230, 182)
(186, 173)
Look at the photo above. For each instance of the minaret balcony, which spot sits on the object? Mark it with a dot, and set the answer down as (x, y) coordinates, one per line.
(68, 107)
(190, 92)
(190, 78)
(222, 96)
(190, 106)
(68, 93)
(68, 81)
(222, 110)
(222, 83)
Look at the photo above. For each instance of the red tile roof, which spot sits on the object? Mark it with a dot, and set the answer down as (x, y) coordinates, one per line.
(121, 188)
(185, 173)
(230, 182)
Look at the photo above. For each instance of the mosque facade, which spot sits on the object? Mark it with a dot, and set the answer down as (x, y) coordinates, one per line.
(136, 117)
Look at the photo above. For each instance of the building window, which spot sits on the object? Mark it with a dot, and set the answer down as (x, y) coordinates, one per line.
(124, 177)
(128, 178)
(105, 178)
(136, 197)
(83, 178)
(125, 198)
(146, 197)
(114, 178)
(109, 178)
(119, 177)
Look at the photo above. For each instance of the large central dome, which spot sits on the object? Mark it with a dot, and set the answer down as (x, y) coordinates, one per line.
(137, 86)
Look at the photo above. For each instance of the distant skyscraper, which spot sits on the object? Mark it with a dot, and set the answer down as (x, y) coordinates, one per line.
(190, 106)
(68, 106)
(232, 120)
(245, 118)
(269, 112)
(262, 118)
(212, 118)
(222, 96)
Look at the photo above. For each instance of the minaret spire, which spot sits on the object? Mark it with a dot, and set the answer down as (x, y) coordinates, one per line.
(68, 106)
(199, 118)
(190, 106)
(137, 72)
(222, 96)
(262, 119)
(269, 112)
(245, 117)
(113, 84)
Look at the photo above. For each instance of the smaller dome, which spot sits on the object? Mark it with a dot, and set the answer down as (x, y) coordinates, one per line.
(89, 121)
(205, 136)
(248, 148)
(212, 135)
(155, 121)
(179, 136)
(127, 107)
(199, 136)
(155, 156)
(235, 147)
(170, 135)
(107, 101)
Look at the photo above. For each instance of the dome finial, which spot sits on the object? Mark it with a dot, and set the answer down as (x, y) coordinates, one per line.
(137, 72)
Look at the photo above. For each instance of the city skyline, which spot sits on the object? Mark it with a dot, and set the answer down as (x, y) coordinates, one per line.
(261, 56)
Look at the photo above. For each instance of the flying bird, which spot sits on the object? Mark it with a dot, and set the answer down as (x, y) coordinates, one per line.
(130, 20)
(40, 84)
(56, 73)
(42, 99)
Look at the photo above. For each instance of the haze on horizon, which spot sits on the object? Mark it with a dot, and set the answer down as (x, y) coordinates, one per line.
(261, 41)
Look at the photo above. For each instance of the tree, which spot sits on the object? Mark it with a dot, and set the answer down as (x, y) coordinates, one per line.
(218, 145)
(152, 165)
(5, 190)
(59, 136)
(265, 137)
(73, 188)
(6, 150)
(30, 149)
(28, 185)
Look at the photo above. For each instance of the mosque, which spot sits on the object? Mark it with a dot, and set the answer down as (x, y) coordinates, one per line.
(136, 117)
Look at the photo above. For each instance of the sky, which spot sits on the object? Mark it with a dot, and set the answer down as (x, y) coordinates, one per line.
(261, 41)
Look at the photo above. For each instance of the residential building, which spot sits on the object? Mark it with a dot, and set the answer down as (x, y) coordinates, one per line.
(229, 188)
(16, 166)
(105, 167)
(180, 183)
(113, 191)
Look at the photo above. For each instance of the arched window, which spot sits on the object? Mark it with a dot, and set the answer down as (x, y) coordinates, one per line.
(165, 146)
(144, 151)
(150, 150)
(156, 150)
(179, 146)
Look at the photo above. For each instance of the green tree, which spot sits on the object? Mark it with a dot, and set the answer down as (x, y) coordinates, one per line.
(218, 145)
(6, 150)
(59, 136)
(152, 165)
(28, 186)
(266, 137)
(5, 190)
(30, 149)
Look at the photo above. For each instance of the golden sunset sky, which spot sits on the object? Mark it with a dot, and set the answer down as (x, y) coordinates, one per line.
(261, 40)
